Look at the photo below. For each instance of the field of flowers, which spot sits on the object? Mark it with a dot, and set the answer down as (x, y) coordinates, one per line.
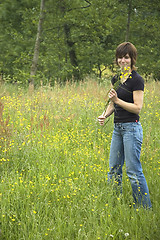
(54, 164)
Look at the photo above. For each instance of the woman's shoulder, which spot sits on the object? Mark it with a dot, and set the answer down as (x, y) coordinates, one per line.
(136, 75)
(137, 81)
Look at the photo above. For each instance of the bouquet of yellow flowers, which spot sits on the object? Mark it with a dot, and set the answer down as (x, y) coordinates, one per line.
(120, 77)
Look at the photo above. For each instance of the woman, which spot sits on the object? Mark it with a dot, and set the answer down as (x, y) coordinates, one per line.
(126, 103)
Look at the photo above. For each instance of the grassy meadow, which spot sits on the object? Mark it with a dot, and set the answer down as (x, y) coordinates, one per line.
(54, 165)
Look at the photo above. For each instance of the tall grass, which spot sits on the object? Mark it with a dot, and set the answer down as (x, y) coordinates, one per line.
(54, 165)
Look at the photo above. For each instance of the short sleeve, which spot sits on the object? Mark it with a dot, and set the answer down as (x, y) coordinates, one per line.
(138, 83)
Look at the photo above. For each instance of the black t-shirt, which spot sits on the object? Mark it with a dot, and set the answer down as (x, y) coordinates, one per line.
(125, 93)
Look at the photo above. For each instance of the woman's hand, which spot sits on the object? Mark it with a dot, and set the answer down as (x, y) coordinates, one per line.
(113, 95)
(101, 119)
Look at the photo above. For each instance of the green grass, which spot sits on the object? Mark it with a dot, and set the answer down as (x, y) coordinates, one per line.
(54, 165)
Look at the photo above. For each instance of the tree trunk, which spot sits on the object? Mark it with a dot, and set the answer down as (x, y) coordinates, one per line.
(69, 42)
(72, 52)
(37, 44)
(128, 20)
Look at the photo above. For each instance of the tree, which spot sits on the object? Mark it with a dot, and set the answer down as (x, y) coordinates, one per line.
(37, 43)
(128, 20)
(18, 23)
(68, 39)
(78, 37)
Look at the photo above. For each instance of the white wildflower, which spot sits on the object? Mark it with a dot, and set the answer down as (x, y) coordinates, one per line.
(126, 234)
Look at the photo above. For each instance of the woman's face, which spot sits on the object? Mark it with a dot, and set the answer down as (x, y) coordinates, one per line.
(124, 62)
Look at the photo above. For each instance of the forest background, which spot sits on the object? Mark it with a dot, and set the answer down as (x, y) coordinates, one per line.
(48, 41)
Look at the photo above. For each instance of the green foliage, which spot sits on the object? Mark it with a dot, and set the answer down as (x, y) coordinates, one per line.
(78, 38)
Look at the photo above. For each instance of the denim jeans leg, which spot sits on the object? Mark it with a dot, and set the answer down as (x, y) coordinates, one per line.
(132, 148)
(116, 159)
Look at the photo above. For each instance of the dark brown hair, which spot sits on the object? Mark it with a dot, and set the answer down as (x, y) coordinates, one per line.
(127, 48)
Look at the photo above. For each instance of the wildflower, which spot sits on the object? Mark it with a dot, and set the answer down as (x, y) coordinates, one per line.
(126, 234)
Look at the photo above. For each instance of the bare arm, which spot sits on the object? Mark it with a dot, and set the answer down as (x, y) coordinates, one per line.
(134, 107)
(109, 110)
(107, 113)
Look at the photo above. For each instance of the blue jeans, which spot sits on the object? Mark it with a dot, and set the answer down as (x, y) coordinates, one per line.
(126, 146)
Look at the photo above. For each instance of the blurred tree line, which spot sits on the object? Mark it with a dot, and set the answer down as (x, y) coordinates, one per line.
(56, 40)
